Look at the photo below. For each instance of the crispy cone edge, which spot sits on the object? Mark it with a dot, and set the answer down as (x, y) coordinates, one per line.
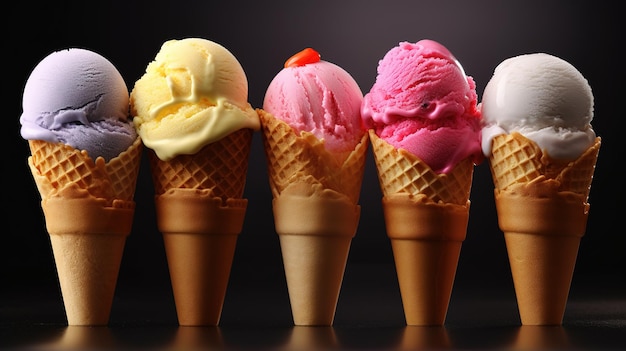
(200, 235)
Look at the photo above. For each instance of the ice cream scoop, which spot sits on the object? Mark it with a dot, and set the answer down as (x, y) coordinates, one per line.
(319, 97)
(195, 92)
(77, 97)
(423, 102)
(544, 98)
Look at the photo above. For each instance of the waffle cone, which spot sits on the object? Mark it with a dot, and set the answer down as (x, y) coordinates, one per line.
(220, 167)
(88, 241)
(517, 160)
(295, 158)
(57, 167)
(402, 172)
(200, 235)
(426, 216)
(315, 214)
(542, 210)
(315, 228)
(426, 241)
(542, 237)
(88, 207)
(200, 212)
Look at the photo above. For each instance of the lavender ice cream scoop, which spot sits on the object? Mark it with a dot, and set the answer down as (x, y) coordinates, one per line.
(77, 97)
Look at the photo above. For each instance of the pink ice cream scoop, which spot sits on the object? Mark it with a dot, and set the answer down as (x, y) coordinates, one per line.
(423, 102)
(319, 97)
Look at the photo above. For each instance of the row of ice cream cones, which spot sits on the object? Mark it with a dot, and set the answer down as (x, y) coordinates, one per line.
(200, 210)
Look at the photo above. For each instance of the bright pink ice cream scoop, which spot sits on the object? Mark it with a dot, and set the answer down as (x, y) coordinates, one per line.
(423, 102)
(319, 97)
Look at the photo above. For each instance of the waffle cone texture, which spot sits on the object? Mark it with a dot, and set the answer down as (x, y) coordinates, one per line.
(294, 158)
(426, 216)
(401, 172)
(542, 209)
(200, 212)
(88, 207)
(316, 215)
(220, 167)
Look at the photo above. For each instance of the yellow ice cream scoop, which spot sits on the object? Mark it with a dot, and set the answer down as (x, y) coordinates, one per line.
(195, 92)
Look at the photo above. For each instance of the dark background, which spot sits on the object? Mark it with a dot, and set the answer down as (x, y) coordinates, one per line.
(355, 35)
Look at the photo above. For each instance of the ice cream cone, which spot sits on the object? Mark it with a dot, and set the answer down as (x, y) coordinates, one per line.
(542, 210)
(89, 211)
(200, 235)
(426, 240)
(315, 213)
(315, 236)
(426, 216)
(200, 212)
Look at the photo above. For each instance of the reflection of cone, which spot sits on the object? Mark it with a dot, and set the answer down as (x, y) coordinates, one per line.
(312, 338)
(426, 216)
(534, 337)
(89, 212)
(197, 338)
(542, 210)
(424, 338)
(316, 215)
(200, 213)
(86, 338)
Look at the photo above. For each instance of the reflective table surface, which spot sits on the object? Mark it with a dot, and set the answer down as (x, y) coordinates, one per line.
(369, 316)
